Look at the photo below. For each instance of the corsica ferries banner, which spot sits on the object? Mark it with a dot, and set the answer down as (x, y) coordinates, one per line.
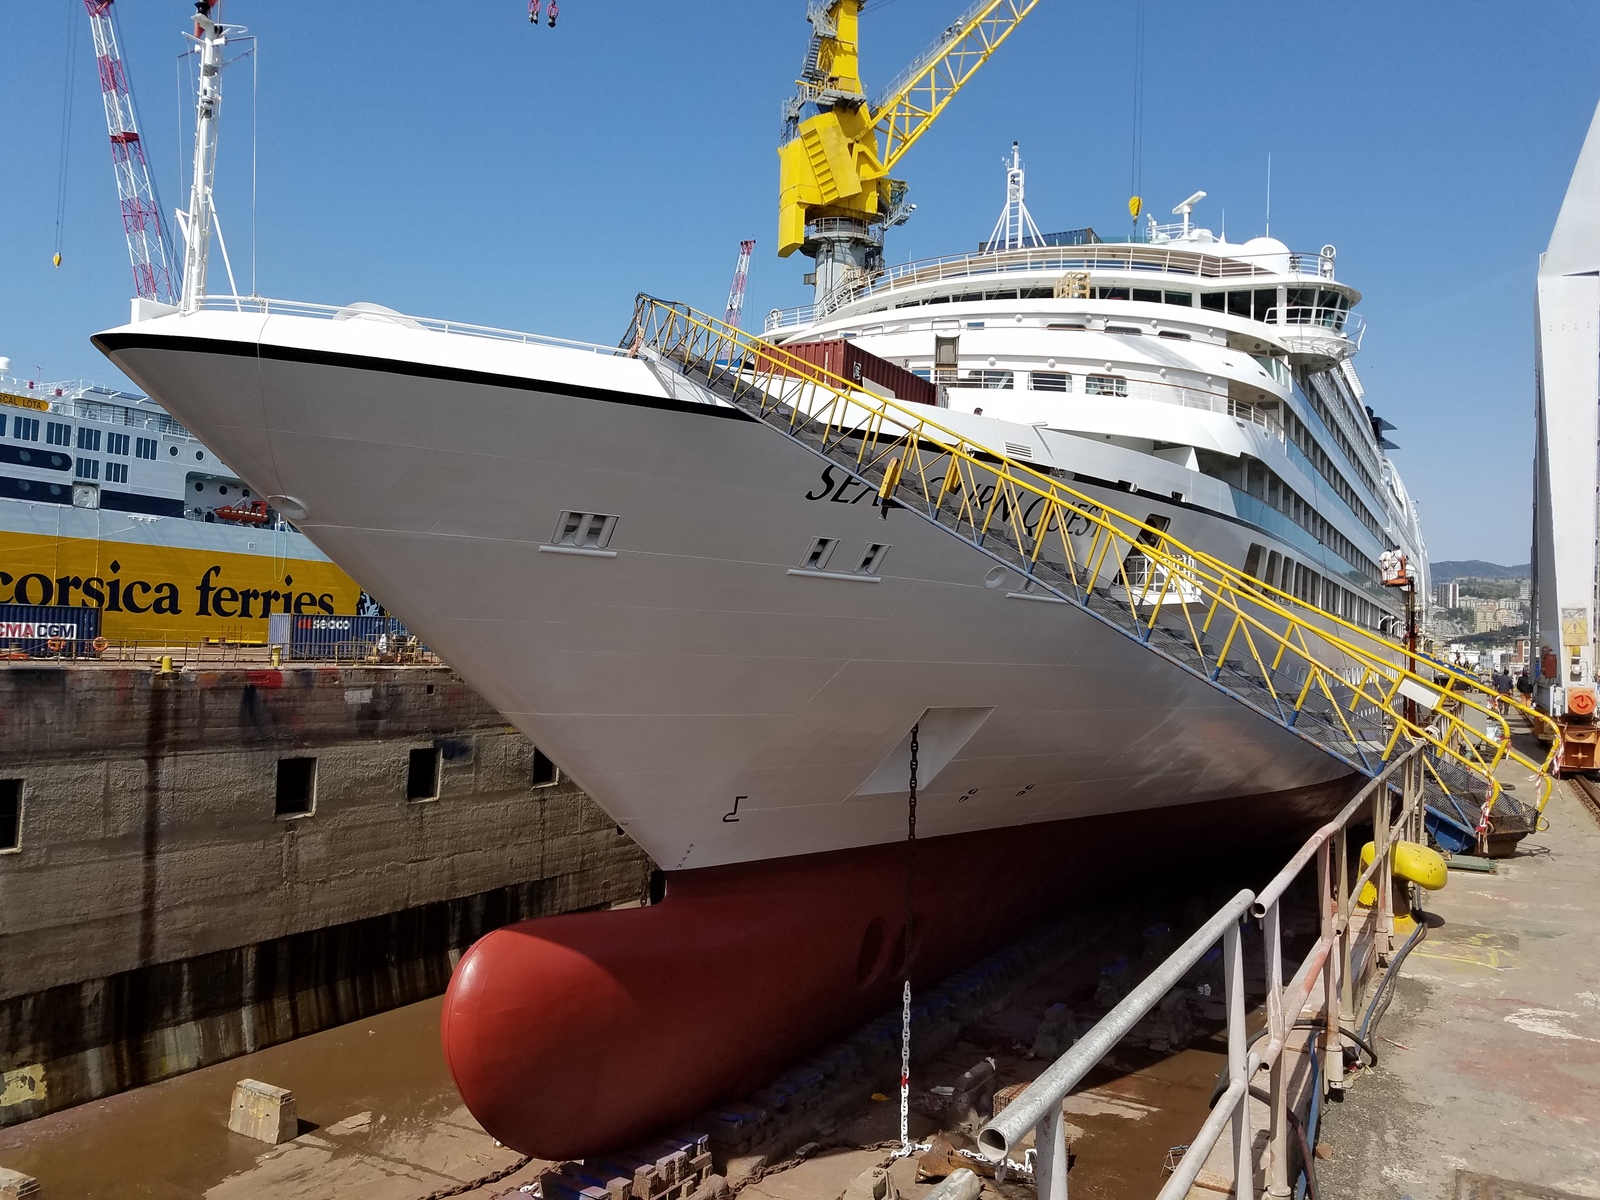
(147, 592)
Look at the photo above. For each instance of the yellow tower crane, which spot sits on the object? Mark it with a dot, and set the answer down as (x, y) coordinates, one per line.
(835, 194)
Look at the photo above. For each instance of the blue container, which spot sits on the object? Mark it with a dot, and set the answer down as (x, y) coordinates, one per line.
(31, 628)
(317, 635)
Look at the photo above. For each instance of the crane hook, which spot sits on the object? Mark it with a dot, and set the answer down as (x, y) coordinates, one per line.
(553, 11)
(56, 258)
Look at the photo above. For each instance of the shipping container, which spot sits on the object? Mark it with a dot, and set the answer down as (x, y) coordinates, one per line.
(849, 361)
(33, 629)
(309, 635)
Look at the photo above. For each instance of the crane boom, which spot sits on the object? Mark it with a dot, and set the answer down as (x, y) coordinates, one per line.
(836, 163)
(149, 248)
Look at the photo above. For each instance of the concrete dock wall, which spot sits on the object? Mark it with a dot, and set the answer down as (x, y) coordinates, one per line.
(160, 912)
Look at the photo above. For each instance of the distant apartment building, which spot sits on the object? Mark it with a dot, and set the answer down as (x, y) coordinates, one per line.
(1447, 595)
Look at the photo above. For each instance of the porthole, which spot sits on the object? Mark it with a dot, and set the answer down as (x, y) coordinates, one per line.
(199, 455)
(995, 577)
(222, 490)
(199, 487)
(172, 450)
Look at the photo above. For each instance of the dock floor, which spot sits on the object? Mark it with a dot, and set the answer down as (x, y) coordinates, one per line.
(1488, 1083)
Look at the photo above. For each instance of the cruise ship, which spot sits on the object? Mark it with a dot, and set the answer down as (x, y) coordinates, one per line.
(108, 502)
(743, 655)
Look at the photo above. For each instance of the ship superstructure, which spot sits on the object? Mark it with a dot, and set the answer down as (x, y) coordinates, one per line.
(1209, 378)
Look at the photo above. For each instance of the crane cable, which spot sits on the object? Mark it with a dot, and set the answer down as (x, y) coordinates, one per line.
(66, 127)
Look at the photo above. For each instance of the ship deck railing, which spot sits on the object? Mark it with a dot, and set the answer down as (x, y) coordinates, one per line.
(374, 312)
(1144, 258)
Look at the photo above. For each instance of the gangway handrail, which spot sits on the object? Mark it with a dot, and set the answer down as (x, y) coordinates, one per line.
(1329, 961)
(1308, 660)
(1039, 1107)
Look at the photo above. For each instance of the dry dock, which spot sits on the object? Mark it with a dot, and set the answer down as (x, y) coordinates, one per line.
(1487, 1083)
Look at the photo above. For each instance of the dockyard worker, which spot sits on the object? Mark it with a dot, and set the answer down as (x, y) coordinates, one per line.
(1525, 686)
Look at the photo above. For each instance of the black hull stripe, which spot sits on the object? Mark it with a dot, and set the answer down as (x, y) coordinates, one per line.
(111, 344)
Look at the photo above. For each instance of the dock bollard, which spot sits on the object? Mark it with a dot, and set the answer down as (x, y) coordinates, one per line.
(166, 664)
(277, 656)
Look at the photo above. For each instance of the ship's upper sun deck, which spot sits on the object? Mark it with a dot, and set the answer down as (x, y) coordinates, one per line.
(1261, 279)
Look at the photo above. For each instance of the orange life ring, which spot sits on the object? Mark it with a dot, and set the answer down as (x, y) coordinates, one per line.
(56, 645)
(100, 645)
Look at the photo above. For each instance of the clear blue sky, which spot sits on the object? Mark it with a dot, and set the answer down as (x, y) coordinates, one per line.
(449, 160)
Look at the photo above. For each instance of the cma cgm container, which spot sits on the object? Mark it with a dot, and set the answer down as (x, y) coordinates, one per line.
(36, 629)
(850, 361)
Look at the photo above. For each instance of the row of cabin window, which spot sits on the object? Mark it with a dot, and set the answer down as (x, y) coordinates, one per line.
(1262, 482)
(26, 429)
(1306, 305)
(1038, 381)
(1310, 585)
(1313, 396)
(89, 468)
(296, 790)
(1255, 478)
(1318, 457)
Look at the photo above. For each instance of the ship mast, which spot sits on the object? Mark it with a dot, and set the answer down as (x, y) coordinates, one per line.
(1015, 228)
(201, 217)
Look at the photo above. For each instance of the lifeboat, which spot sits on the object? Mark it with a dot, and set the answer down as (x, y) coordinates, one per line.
(254, 513)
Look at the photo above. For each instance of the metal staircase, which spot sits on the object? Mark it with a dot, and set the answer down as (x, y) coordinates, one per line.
(1342, 688)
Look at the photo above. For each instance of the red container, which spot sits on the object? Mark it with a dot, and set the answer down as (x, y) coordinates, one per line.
(849, 361)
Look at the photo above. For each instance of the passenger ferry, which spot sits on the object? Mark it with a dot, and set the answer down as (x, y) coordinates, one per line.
(107, 501)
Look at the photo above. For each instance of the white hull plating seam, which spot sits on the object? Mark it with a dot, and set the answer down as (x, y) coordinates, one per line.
(720, 705)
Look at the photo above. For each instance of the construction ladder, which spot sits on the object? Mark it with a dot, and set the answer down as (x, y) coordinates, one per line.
(1338, 686)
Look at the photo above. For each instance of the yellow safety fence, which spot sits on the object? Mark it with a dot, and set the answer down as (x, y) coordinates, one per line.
(1283, 655)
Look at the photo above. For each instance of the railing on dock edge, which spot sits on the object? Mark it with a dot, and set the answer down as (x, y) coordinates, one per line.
(1341, 687)
(226, 653)
(1344, 933)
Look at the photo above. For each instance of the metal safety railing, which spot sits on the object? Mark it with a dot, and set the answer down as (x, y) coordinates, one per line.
(1350, 940)
(1344, 688)
(1142, 257)
(381, 315)
(220, 652)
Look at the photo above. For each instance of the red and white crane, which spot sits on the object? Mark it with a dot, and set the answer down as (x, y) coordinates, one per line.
(741, 275)
(155, 266)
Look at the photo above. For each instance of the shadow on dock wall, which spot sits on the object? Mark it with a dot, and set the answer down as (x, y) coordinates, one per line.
(81, 1041)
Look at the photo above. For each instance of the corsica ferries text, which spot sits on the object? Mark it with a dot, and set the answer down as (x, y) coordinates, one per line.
(211, 598)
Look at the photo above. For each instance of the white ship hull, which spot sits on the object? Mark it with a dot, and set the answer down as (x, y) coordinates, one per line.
(722, 705)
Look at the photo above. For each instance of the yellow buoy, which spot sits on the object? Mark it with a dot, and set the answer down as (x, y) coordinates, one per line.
(1424, 867)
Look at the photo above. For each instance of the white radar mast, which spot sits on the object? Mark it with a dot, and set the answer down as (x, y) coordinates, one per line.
(201, 220)
(1015, 228)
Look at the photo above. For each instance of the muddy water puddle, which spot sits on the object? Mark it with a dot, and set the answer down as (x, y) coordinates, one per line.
(379, 1118)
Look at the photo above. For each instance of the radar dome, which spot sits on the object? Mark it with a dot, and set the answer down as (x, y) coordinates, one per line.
(1267, 252)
